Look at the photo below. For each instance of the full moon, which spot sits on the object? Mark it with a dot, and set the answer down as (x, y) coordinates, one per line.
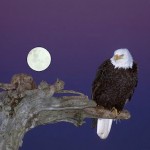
(38, 59)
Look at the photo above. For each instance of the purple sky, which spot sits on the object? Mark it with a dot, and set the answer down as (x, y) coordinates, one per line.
(80, 35)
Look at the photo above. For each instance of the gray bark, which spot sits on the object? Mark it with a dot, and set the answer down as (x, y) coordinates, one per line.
(23, 108)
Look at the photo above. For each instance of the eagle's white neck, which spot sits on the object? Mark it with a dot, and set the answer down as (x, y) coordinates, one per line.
(126, 62)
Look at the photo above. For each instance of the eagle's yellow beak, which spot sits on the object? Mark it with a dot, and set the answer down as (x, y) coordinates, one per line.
(117, 57)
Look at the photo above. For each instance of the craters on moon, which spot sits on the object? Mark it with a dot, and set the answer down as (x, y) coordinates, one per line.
(39, 59)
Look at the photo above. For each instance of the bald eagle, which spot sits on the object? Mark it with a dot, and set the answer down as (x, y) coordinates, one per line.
(113, 86)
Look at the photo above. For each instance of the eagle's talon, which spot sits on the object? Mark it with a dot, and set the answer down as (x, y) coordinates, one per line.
(115, 111)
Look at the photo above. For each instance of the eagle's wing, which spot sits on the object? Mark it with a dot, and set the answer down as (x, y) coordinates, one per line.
(134, 79)
(102, 72)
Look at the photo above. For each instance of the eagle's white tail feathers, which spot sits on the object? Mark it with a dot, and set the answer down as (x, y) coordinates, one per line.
(103, 127)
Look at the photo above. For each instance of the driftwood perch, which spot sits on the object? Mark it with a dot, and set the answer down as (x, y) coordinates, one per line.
(24, 106)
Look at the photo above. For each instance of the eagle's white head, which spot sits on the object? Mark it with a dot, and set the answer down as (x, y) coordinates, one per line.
(122, 59)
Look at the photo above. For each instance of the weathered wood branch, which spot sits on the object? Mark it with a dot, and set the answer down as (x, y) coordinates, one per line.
(25, 106)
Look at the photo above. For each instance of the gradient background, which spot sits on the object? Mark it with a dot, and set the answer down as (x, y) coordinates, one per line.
(80, 35)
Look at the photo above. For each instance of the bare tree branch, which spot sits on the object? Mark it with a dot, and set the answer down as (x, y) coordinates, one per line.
(24, 106)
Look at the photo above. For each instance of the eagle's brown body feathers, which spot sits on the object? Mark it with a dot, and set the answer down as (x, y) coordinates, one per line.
(112, 87)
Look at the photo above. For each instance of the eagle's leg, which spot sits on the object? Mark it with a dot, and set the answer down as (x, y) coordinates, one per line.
(115, 111)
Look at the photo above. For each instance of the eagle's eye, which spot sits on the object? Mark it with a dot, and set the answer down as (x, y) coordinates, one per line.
(121, 56)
